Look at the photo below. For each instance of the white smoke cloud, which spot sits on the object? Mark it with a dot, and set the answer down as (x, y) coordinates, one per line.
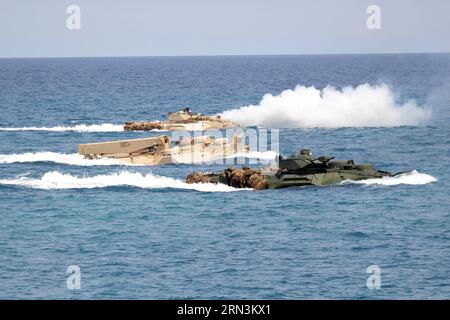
(307, 107)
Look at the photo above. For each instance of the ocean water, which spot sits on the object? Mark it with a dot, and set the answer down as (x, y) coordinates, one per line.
(142, 233)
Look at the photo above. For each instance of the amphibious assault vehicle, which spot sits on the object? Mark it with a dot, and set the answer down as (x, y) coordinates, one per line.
(299, 169)
(182, 120)
(160, 149)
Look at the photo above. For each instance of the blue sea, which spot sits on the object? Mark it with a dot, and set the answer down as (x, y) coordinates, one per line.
(141, 233)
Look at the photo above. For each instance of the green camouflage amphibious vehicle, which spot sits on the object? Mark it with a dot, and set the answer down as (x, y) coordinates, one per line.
(299, 169)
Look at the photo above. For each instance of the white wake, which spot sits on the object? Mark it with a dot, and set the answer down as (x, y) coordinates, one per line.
(307, 107)
(104, 127)
(412, 177)
(55, 180)
(74, 159)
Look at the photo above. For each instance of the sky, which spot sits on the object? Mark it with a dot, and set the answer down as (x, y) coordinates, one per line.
(38, 28)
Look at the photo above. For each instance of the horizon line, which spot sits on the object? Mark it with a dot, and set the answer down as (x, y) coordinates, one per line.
(228, 55)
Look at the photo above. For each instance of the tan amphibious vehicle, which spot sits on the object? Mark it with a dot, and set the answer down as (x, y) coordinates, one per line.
(182, 120)
(160, 150)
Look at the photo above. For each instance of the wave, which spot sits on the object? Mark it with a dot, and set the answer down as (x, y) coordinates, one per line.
(104, 127)
(413, 177)
(308, 107)
(74, 159)
(55, 180)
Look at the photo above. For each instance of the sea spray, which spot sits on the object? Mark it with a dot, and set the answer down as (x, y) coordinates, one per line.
(104, 127)
(414, 178)
(55, 180)
(76, 159)
(307, 107)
